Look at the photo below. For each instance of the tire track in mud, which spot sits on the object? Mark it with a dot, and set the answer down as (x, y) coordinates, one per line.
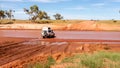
(7, 48)
(78, 40)
(11, 52)
(84, 41)
(23, 52)
(9, 44)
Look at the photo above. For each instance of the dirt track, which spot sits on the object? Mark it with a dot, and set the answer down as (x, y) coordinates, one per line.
(92, 35)
(19, 47)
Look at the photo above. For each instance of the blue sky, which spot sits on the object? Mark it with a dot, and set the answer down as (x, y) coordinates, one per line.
(70, 9)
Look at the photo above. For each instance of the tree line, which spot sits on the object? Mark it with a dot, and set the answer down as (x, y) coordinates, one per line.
(34, 14)
(6, 14)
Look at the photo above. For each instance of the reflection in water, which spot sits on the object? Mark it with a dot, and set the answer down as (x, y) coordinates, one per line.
(37, 42)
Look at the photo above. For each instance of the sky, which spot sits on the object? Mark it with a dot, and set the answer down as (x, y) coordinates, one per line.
(69, 9)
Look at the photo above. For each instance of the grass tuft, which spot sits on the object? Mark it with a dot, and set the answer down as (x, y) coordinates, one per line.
(97, 60)
(50, 61)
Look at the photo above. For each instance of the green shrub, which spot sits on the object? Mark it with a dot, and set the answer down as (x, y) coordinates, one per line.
(114, 21)
(92, 61)
(97, 60)
(43, 21)
(50, 61)
(13, 19)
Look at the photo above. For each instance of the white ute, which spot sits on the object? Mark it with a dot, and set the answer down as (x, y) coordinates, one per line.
(47, 32)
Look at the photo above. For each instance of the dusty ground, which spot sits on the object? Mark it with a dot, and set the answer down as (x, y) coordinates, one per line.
(20, 47)
(19, 52)
(69, 25)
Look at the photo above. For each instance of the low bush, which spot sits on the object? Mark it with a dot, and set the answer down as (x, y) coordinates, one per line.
(43, 22)
(50, 61)
(97, 60)
(13, 19)
(9, 22)
(114, 21)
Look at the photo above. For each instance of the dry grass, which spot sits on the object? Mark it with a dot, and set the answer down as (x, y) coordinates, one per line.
(110, 22)
(97, 60)
(100, 25)
(100, 59)
(14, 21)
(61, 21)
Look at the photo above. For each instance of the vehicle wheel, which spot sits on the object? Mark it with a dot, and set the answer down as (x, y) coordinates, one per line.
(43, 36)
(53, 36)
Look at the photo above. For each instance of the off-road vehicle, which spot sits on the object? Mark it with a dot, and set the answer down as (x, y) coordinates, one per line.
(47, 32)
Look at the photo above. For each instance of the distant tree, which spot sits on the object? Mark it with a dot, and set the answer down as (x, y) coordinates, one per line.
(2, 14)
(58, 16)
(34, 9)
(28, 12)
(9, 14)
(35, 13)
(45, 15)
(92, 20)
(40, 15)
(114, 20)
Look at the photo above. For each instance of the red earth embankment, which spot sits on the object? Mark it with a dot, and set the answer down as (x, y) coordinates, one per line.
(75, 25)
(17, 52)
(14, 54)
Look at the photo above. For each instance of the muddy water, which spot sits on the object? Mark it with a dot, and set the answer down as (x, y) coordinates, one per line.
(92, 35)
(88, 35)
(20, 33)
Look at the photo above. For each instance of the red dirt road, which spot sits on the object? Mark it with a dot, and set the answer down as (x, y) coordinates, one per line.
(19, 47)
(92, 35)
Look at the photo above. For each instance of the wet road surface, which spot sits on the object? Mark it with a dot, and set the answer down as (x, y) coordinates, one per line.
(92, 35)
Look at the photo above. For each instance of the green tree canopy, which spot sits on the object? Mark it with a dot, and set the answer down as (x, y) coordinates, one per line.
(35, 13)
(2, 14)
(58, 16)
(34, 9)
(9, 13)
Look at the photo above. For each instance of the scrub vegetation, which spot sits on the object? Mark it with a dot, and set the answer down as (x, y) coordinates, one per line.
(100, 59)
(97, 60)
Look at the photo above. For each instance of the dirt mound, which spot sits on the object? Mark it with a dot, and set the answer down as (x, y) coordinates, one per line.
(67, 25)
(86, 25)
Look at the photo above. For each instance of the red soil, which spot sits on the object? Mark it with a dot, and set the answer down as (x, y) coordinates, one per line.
(20, 47)
(71, 25)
